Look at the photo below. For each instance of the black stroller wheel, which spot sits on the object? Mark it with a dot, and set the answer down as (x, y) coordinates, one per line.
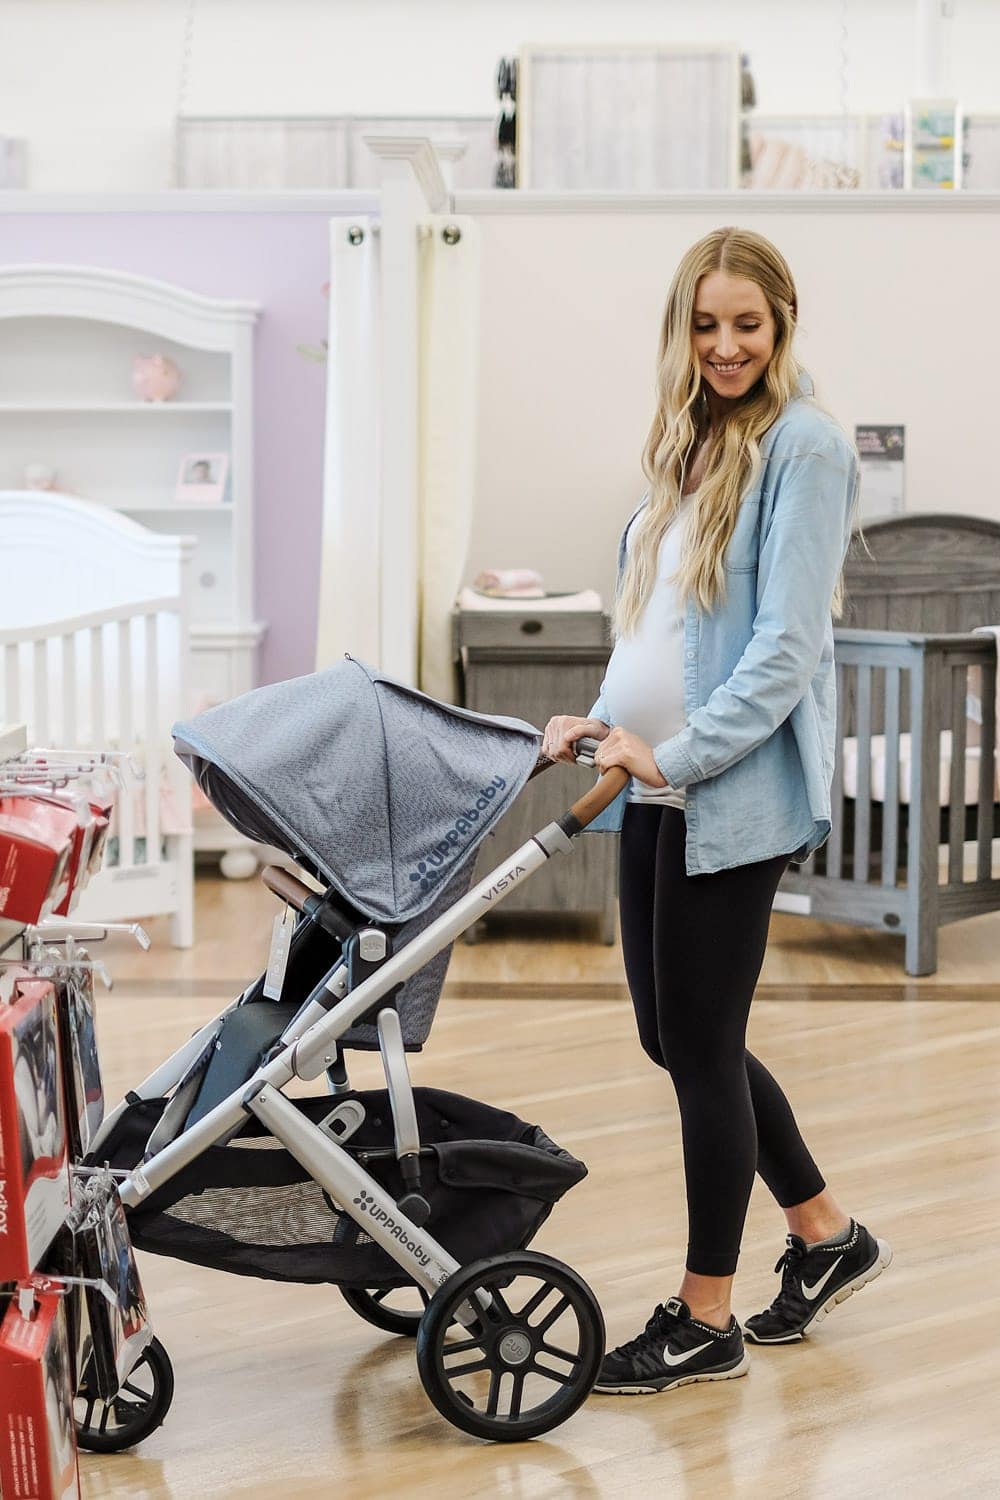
(372, 1303)
(137, 1410)
(530, 1359)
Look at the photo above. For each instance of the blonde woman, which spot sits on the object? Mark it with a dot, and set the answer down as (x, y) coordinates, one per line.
(719, 699)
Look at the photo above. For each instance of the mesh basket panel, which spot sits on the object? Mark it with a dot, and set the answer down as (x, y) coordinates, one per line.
(249, 1208)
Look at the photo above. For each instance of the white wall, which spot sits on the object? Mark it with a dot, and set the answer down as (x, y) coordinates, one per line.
(94, 85)
(898, 323)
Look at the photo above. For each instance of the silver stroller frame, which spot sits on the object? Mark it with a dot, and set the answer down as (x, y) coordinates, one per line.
(309, 1047)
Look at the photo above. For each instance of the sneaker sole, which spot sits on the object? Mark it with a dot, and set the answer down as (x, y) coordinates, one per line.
(651, 1389)
(881, 1263)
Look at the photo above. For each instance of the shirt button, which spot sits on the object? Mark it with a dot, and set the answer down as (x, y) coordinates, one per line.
(690, 656)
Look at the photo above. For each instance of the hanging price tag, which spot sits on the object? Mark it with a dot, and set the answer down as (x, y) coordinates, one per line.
(277, 958)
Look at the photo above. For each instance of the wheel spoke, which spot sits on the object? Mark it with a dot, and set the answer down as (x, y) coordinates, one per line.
(553, 1313)
(564, 1354)
(515, 1396)
(461, 1347)
(498, 1311)
(536, 1301)
(454, 1372)
(493, 1400)
(135, 1391)
(555, 1375)
(105, 1415)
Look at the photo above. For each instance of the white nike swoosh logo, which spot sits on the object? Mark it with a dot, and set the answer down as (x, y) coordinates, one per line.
(812, 1292)
(684, 1356)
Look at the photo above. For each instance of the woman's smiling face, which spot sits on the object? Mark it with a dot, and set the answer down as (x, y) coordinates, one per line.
(732, 332)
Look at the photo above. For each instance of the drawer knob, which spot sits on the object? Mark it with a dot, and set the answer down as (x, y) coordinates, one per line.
(531, 627)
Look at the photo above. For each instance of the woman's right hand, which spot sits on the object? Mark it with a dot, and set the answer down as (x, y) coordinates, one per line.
(562, 732)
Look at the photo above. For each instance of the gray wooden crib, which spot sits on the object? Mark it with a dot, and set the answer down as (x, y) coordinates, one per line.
(915, 805)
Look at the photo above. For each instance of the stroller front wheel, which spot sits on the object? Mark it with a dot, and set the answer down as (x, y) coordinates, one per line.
(529, 1359)
(136, 1411)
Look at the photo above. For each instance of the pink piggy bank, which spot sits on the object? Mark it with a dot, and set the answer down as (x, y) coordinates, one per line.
(155, 377)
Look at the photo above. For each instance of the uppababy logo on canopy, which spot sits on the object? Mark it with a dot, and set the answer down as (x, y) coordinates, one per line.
(429, 869)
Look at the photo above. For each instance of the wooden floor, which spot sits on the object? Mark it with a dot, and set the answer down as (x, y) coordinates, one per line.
(283, 1392)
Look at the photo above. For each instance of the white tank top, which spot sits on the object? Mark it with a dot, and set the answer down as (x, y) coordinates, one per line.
(644, 682)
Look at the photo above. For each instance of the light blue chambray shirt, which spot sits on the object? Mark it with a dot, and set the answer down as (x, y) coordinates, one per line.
(756, 754)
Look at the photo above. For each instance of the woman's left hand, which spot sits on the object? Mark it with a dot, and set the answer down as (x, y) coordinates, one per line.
(621, 748)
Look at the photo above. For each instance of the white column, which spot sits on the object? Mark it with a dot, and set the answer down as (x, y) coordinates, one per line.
(411, 186)
(933, 48)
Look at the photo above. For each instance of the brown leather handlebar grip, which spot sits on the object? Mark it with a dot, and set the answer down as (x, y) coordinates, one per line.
(284, 884)
(612, 781)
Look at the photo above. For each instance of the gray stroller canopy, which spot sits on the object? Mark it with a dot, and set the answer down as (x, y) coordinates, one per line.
(387, 792)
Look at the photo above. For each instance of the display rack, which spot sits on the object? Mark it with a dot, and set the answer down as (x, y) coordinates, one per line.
(13, 739)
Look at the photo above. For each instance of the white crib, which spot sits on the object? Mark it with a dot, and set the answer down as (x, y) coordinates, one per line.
(94, 650)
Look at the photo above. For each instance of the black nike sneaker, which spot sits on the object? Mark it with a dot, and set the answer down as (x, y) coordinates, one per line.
(673, 1349)
(814, 1281)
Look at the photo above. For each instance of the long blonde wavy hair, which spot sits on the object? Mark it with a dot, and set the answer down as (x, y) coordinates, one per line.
(681, 423)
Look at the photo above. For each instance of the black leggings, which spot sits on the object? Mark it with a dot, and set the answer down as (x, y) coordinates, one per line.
(693, 948)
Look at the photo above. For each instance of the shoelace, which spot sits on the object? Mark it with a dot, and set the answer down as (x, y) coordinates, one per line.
(788, 1264)
(658, 1327)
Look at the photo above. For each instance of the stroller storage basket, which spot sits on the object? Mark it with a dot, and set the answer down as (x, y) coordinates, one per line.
(250, 1208)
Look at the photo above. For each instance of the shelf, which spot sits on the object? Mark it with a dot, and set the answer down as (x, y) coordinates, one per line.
(168, 505)
(24, 408)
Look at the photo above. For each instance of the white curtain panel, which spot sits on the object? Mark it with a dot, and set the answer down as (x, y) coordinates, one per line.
(350, 549)
(449, 382)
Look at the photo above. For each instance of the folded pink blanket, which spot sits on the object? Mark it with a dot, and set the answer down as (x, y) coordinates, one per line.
(510, 583)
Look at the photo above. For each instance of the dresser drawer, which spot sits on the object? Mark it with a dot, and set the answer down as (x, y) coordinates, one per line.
(520, 629)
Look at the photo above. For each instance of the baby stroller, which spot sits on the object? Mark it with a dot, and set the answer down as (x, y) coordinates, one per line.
(382, 796)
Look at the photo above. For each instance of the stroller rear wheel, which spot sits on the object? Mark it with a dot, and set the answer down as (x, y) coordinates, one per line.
(136, 1411)
(400, 1315)
(531, 1356)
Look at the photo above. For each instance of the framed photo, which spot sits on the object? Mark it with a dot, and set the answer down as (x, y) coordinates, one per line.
(201, 478)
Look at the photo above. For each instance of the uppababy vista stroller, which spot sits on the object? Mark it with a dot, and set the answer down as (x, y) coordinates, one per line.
(382, 795)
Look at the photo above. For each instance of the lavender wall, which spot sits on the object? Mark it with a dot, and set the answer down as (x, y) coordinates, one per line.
(280, 261)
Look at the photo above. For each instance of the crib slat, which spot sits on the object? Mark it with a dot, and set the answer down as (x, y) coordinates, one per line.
(67, 733)
(126, 739)
(97, 732)
(890, 804)
(987, 771)
(835, 843)
(11, 683)
(863, 800)
(151, 741)
(40, 693)
(956, 782)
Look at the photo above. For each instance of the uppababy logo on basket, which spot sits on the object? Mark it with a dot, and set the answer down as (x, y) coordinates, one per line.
(429, 869)
(366, 1203)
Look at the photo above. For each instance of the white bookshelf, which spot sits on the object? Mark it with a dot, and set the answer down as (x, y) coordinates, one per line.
(69, 335)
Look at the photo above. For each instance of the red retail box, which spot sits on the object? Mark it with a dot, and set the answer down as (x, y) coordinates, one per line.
(78, 870)
(36, 845)
(34, 1169)
(38, 1440)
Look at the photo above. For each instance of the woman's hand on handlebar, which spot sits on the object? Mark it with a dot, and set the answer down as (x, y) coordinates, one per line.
(633, 754)
(562, 732)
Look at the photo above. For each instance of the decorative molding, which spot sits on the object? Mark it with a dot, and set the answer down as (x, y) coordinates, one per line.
(227, 637)
(191, 200)
(848, 201)
(419, 152)
(124, 298)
